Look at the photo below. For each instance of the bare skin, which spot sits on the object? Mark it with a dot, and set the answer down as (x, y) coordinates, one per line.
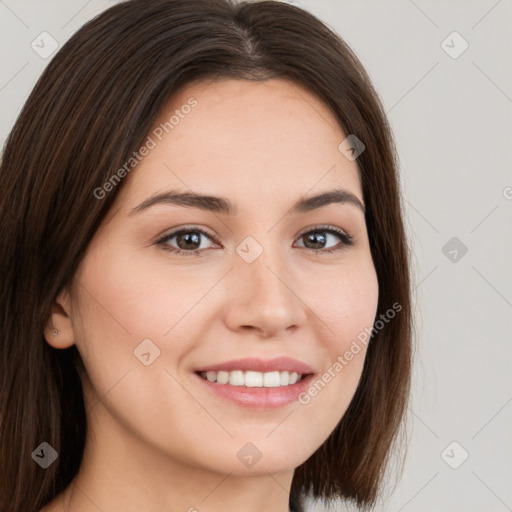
(159, 440)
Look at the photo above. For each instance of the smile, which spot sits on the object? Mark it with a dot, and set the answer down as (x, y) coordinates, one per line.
(256, 383)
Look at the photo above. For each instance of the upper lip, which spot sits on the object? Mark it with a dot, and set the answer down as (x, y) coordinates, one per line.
(281, 364)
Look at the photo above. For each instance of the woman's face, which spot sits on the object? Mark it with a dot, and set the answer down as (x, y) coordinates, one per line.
(258, 285)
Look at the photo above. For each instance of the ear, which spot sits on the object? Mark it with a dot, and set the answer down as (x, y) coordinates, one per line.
(58, 331)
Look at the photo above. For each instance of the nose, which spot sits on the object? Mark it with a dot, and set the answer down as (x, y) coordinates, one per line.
(264, 296)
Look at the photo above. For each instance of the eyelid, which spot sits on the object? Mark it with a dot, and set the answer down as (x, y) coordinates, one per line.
(323, 227)
(176, 231)
(347, 240)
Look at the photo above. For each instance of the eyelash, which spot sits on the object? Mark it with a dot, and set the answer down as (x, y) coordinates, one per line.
(346, 239)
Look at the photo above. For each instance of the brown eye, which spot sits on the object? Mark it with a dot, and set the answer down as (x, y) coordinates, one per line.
(317, 238)
(188, 241)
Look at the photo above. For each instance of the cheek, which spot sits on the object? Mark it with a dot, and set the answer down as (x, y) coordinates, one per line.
(347, 308)
(125, 299)
(346, 305)
(120, 307)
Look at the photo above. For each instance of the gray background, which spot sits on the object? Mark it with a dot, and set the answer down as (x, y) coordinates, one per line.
(452, 123)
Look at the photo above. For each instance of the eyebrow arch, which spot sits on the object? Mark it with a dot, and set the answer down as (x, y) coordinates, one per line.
(223, 205)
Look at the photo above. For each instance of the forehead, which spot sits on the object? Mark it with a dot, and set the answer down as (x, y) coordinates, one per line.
(244, 138)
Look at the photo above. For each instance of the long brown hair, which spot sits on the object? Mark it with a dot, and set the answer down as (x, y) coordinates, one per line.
(92, 107)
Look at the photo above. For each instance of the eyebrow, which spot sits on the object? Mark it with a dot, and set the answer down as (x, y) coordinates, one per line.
(223, 205)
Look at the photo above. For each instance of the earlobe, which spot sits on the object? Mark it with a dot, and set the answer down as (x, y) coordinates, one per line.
(58, 330)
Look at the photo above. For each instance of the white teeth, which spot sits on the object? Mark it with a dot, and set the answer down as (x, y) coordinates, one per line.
(236, 378)
(271, 380)
(222, 377)
(294, 377)
(253, 379)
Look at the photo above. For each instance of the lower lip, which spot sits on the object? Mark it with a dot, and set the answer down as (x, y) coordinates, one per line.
(259, 398)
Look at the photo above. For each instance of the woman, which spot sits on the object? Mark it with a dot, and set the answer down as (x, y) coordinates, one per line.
(206, 297)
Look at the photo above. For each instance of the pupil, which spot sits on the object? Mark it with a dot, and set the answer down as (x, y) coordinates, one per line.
(194, 239)
(314, 238)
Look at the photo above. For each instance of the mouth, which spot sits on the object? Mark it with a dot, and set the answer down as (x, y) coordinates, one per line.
(257, 383)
